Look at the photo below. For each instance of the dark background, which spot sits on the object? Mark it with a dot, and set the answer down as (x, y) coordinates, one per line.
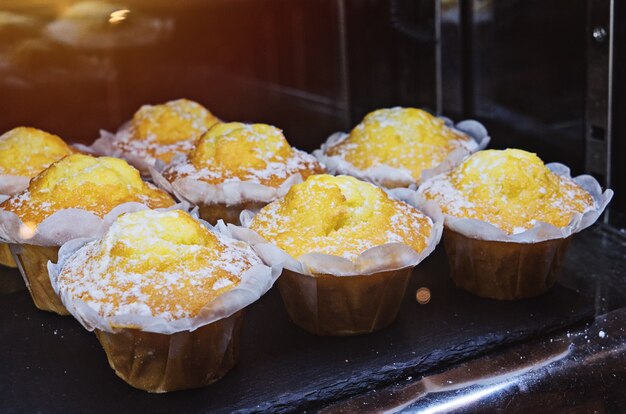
(313, 67)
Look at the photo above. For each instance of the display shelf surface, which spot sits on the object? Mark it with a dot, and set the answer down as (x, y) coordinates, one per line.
(50, 363)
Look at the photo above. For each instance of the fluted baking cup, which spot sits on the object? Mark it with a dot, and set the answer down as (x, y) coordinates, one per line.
(331, 295)
(388, 176)
(12, 184)
(159, 363)
(6, 258)
(331, 305)
(32, 262)
(106, 144)
(34, 246)
(213, 213)
(479, 229)
(223, 201)
(491, 263)
(64, 225)
(504, 270)
(253, 284)
(233, 192)
(160, 355)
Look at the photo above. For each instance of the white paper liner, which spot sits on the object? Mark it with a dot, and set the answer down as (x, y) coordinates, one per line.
(255, 282)
(199, 192)
(541, 231)
(67, 224)
(386, 257)
(106, 145)
(383, 174)
(13, 184)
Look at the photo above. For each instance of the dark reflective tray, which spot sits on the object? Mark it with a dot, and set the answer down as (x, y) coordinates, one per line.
(51, 364)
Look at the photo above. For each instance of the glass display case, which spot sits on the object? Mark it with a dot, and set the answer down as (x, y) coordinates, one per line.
(547, 77)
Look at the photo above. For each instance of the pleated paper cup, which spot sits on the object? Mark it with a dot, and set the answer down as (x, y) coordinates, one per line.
(6, 258)
(331, 295)
(33, 246)
(108, 144)
(488, 262)
(504, 270)
(32, 262)
(160, 355)
(161, 363)
(387, 176)
(326, 304)
(224, 201)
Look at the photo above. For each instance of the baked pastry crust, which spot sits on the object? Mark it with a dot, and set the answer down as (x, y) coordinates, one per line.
(401, 147)
(83, 182)
(340, 216)
(511, 189)
(24, 153)
(157, 132)
(235, 151)
(234, 167)
(155, 263)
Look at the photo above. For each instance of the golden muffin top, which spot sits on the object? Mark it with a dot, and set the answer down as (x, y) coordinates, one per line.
(27, 151)
(341, 216)
(244, 152)
(165, 130)
(511, 189)
(84, 182)
(154, 263)
(405, 138)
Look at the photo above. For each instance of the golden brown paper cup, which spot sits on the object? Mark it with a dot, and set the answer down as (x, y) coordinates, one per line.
(504, 270)
(229, 213)
(6, 258)
(343, 305)
(160, 363)
(33, 264)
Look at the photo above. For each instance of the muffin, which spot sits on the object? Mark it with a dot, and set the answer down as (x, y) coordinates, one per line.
(400, 147)
(165, 296)
(509, 219)
(77, 196)
(157, 132)
(24, 153)
(348, 250)
(236, 167)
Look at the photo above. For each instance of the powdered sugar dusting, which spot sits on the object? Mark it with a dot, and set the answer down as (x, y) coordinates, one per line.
(364, 219)
(85, 192)
(134, 270)
(160, 132)
(510, 195)
(273, 173)
(407, 139)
